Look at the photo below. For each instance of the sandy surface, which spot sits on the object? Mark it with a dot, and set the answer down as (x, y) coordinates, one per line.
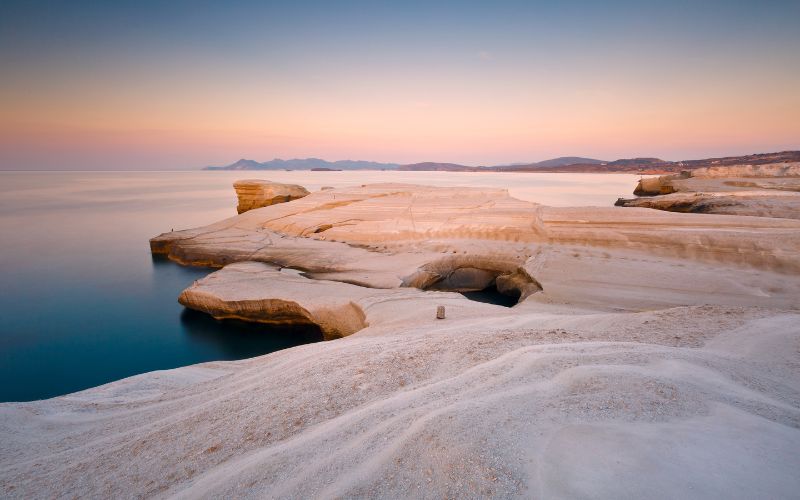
(661, 359)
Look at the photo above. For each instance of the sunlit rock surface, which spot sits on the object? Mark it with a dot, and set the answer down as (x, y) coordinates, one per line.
(771, 190)
(651, 355)
(378, 235)
(254, 291)
(258, 193)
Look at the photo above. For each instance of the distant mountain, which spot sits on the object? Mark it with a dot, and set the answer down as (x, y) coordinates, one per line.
(239, 165)
(455, 167)
(439, 167)
(754, 159)
(306, 164)
(562, 164)
(638, 162)
(657, 165)
(574, 164)
(562, 161)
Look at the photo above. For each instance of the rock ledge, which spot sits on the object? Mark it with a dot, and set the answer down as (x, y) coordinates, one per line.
(254, 193)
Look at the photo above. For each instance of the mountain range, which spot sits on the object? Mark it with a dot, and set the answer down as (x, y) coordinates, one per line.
(306, 164)
(560, 164)
(318, 163)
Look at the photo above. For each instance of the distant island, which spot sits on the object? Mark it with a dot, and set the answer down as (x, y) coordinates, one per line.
(571, 164)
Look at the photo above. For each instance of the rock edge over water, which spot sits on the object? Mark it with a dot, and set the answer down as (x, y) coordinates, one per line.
(668, 342)
(771, 190)
(254, 193)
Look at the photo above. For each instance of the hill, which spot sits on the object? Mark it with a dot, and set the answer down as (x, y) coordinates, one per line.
(568, 164)
(306, 164)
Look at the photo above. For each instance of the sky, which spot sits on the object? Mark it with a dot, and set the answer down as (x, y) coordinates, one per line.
(179, 85)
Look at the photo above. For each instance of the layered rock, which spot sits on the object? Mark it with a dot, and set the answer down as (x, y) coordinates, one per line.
(770, 190)
(233, 293)
(253, 193)
(787, 169)
(691, 402)
(466, 273)
(751, 203)
(667, 341)
(780, 176)
(254, 291)
(654, 186)
(378, 235)
(365, 245)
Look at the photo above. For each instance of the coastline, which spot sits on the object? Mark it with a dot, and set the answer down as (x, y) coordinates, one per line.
(665, 340)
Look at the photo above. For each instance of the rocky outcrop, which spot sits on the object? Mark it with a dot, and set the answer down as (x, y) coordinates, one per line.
(253, 193)
(654, 186)
(768, 190)
(258, 292)
(391, 253)
(665, 340)
(790, 169)
(467, 273)
(755, 203)
(378, 235)
(238, 292)
(781, 176)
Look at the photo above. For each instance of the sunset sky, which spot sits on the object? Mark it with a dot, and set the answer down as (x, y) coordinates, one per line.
(176, 85)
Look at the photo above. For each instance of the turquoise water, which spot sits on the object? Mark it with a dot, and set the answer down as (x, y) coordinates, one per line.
(82, 302)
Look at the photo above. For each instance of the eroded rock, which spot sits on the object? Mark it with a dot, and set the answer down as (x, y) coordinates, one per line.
(381, 234)
(468, 273)
(750, 203)
(783, 169)
(254, 193)
(238, 292)
(254, 291)
(695, 401)
(654, 186)
(771, 190)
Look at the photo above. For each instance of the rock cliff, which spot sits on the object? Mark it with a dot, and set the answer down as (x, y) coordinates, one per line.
(254, 193)
(769, 190)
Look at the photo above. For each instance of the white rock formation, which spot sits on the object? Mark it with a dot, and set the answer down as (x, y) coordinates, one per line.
(379, 235)
(652, 355)
(771, 190)
(690, 402)
(790, 169)
(253, 193)
(254, 291)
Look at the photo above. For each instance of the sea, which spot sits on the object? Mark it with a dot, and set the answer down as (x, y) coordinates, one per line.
(83, 303)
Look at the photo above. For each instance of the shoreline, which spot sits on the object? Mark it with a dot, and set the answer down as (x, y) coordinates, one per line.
(664, 340)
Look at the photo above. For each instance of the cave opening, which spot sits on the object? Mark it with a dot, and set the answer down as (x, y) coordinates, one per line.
(491, 295)
(482, 280)
(479, 285)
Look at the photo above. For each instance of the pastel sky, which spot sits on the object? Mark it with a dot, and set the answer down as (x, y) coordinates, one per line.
(175, 85)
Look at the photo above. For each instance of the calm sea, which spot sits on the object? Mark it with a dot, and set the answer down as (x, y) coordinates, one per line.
(83, 303)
